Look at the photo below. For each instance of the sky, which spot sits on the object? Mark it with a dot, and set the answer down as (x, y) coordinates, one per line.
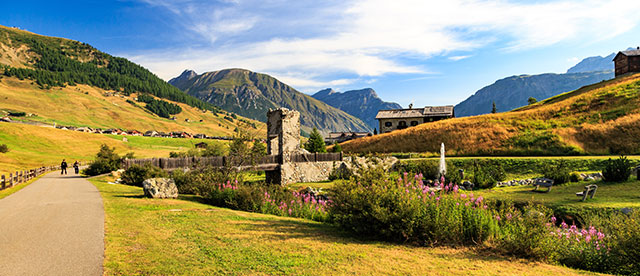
(422, 52)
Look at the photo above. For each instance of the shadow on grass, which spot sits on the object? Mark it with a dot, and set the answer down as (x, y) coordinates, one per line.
(286, 229)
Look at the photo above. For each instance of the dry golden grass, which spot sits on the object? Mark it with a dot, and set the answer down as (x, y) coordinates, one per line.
(83, 105)
(602, 118)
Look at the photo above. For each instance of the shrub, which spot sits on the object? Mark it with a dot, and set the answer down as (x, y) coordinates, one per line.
(106, 161)
(617, 170)
(486, 175)
(136, 174)
(4, 148)
(405, 210)
(559, 172)
(525, 233)
(336, 147)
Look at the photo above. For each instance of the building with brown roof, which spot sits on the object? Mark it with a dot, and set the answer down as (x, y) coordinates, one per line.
(340, 137)
(627, 61)
(390, 120)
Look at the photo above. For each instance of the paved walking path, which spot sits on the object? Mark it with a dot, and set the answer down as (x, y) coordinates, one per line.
(55, 226)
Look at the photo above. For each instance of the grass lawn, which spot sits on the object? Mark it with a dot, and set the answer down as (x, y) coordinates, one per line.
(608, 195)
(184, 237)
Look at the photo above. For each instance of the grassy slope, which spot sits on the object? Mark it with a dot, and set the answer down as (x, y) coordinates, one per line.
(603, 118)
(71, 106)
(34, 146)
(168, 237)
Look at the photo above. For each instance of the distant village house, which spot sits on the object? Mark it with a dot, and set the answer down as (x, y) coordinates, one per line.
(340, 137)
(627, 61)
(393, 119)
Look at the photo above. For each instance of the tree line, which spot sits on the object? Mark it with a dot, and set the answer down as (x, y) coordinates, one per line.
(56, 67)
(161, 108)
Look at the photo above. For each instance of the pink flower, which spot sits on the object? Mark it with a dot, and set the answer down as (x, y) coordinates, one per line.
(455, 188)
(553, 220)
(463, 195)
(497, 218)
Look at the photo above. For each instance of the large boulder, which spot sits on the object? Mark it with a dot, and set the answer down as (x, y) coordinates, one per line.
(160, 188)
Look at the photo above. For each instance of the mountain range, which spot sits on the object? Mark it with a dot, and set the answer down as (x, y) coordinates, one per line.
(363, 103)
(513, 92)
(252, 94)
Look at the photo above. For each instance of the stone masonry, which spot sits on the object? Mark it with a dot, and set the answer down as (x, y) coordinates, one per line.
(283, 138)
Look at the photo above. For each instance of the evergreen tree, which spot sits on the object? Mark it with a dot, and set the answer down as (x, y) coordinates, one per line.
(375, 131)
(337, 147)
(315, 142)
(494, 109)
(532, 100)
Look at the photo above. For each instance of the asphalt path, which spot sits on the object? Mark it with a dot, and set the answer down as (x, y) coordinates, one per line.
(55, 226)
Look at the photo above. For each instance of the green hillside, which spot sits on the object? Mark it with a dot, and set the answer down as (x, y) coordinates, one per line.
(252, 94)
(57, 62)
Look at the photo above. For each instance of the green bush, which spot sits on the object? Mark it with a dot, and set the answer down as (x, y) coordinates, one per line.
(617, 170)
(487, 175)
(4, 148)
(106, 161)
(559, 172)
(402, 210)
(136, 174)
(525, 233)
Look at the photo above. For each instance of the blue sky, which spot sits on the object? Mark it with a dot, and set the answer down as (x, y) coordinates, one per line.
(426, 52)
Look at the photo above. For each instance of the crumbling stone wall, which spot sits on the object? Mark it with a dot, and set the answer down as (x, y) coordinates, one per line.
(306, 171)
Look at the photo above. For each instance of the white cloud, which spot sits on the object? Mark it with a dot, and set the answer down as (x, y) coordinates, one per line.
(456, 58)
(371, 38)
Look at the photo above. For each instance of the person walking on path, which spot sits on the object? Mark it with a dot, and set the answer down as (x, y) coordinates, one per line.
(76, 166)
(63, 167)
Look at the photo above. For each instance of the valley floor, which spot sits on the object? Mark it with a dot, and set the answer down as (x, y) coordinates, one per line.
(34, 146)
(185, 237)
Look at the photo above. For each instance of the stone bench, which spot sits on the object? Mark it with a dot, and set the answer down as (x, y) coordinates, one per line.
(544, 182)
(589, 190)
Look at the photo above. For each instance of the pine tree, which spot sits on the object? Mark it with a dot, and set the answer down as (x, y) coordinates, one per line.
(375, 131)
(494, 109)
(315, 142)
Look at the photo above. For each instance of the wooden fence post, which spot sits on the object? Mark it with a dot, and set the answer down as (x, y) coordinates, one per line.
(4, 182)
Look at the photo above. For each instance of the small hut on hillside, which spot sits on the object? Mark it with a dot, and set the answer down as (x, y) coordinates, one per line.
(627, 61)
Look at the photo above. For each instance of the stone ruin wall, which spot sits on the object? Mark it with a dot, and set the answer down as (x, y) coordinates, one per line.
(283, 138)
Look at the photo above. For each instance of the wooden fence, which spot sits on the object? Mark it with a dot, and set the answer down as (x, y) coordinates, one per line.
(267, 162)
(23, 176)
(316, 157)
